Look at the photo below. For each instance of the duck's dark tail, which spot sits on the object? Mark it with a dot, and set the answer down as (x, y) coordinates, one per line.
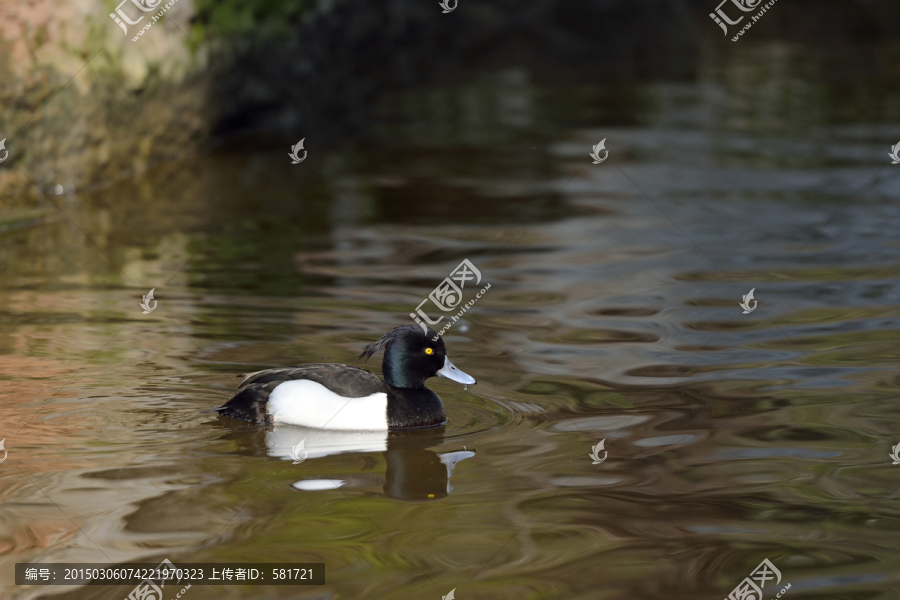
(249, 403)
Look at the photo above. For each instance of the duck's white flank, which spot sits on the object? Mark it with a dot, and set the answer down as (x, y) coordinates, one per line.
(310, 404)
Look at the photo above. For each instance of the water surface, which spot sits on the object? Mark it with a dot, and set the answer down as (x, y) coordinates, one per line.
(613, 314)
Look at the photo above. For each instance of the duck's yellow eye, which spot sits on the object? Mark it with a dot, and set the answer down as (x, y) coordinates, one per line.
(429, 351)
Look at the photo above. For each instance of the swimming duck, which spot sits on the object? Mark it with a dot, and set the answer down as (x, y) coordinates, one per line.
(342, 397)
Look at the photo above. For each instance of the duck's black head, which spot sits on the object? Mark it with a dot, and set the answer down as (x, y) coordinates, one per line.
(411, 356)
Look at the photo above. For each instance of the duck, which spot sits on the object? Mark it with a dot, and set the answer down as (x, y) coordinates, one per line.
(333, 396)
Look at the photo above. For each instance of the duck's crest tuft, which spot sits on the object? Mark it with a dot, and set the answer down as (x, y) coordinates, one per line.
(391, 336)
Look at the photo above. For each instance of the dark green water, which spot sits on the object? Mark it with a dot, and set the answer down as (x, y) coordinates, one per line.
(613, 314)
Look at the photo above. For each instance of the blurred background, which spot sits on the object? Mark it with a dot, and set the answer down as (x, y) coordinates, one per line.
(612, 315)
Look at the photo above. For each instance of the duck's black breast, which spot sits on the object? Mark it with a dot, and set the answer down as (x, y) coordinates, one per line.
(414, 408)
(249, 403)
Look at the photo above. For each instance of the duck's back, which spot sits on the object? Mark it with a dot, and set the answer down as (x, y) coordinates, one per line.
(318, 395)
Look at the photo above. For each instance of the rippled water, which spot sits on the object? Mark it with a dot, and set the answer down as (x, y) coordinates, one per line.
(613, 314)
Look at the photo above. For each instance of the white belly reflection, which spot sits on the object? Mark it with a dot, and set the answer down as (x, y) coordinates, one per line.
(300, 443)
(412, 471)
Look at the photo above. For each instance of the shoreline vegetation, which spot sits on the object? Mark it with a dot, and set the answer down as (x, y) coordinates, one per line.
(84, 106)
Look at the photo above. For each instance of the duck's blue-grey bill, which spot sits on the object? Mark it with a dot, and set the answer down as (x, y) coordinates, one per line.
(451, 372)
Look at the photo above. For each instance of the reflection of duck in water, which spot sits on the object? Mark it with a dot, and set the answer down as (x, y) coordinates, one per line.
(342, 397)
(413, 472)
